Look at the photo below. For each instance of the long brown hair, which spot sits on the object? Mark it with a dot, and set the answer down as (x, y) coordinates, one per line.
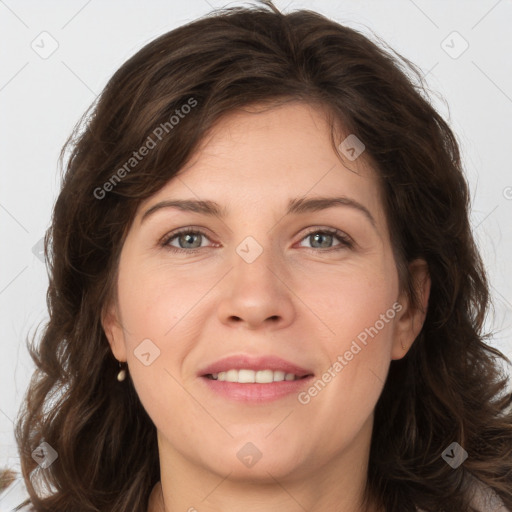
(449, 387)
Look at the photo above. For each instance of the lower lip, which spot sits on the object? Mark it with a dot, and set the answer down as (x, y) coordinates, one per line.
(254, 392)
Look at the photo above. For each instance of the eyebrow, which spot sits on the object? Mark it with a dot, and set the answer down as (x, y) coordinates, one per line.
(295, 206)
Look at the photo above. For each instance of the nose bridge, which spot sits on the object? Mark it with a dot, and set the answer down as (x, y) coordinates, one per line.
(256, 264)
(255, 293)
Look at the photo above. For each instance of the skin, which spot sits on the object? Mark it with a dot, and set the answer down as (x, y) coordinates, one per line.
(300, 300)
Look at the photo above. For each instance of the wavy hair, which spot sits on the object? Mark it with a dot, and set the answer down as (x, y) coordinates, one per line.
(450, 386)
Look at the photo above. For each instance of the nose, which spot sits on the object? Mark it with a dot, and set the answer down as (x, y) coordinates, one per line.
(257, 295)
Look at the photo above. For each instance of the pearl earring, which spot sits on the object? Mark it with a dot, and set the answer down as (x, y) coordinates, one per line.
(122, 374)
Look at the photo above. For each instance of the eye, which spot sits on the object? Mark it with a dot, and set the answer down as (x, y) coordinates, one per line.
(322, 239)
(188, 240)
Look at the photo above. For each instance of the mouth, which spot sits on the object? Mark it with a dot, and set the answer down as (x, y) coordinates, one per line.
(247, 369)
(247, 376)
(254, 379)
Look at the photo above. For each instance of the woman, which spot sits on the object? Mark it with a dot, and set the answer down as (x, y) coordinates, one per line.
(318, 345)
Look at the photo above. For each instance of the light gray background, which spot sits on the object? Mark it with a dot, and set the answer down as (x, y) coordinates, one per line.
(42, 98)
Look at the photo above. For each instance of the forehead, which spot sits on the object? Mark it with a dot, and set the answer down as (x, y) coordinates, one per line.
(265, 153)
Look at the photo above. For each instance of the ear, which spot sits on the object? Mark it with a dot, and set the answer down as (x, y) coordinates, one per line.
(409, 320)
(111, 323)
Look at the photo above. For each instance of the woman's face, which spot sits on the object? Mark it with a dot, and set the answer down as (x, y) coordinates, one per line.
(268, 284)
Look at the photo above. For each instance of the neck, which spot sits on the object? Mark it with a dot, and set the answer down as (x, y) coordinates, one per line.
(337, 485)
(157, 503)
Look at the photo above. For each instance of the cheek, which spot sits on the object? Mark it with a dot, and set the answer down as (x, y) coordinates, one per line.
(344, 396)
(358, 315)
(154, 298)
(350, 299)
(162, 316)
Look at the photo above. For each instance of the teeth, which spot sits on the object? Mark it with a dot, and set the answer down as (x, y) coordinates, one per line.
(251, 376)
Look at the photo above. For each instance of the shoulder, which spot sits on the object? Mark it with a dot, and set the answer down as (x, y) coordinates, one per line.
(484, 499)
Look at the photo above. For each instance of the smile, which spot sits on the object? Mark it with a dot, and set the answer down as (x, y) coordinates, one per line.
(244, 376)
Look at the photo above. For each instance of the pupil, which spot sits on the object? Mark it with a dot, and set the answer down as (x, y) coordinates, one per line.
(189, 237)
(318, 235)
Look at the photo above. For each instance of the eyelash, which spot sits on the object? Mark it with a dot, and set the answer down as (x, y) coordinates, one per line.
(346, 241)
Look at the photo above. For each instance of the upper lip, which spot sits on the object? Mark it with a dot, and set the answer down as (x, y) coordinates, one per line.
(240, 362)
